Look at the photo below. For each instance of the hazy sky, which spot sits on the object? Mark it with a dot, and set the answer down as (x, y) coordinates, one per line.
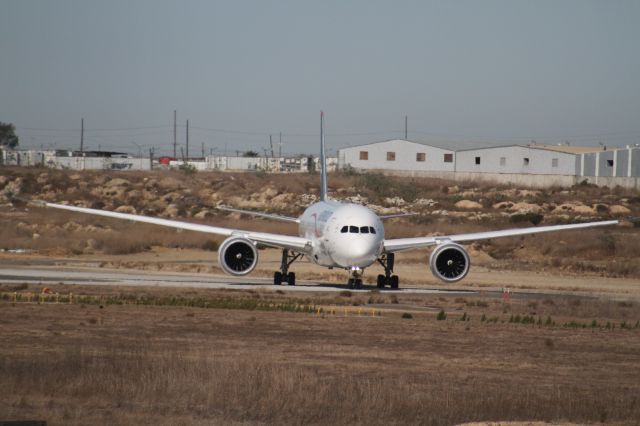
(466, 73)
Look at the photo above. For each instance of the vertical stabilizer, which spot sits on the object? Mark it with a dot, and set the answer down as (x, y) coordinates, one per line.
(323, 162)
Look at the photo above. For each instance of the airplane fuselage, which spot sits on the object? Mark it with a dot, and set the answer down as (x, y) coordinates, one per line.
(344, 235)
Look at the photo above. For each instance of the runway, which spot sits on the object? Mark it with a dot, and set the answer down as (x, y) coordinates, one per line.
(55, 275)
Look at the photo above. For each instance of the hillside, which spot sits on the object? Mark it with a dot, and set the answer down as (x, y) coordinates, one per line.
(443, 207)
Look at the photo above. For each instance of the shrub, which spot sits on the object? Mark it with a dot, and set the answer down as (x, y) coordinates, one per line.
(407, 315)
(210, 245)
(533, 218)
(441, 315)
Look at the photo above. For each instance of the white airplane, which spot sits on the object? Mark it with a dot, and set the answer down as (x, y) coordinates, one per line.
(334, 235)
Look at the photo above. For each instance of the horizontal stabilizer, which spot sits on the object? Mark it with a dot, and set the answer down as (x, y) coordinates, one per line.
(391, 216)
(260, 214)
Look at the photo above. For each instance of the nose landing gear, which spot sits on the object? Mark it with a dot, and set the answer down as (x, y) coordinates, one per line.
(283, 275)
(356, 278)
(387, 260)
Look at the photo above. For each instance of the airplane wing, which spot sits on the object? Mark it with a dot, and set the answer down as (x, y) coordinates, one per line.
(298, 244)
(400, 244)
(260, 214)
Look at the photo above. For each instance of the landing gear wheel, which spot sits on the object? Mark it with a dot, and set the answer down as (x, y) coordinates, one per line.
(358, 284)
(351, 283)
(283, 275)
(395, 281)
(387, 261)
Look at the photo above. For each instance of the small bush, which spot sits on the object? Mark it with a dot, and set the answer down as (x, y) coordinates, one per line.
(533, 218)
(210, 245)
(407, 315)
(441, 315)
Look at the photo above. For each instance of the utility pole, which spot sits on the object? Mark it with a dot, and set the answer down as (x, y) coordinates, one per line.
(151, 158)
(271, 146)
(81, 136)
(406, 119)
(202, 149)
(175, 139)
(187, 142)
(280, 146)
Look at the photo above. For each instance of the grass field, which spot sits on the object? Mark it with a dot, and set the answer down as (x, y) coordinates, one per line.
(144, 364)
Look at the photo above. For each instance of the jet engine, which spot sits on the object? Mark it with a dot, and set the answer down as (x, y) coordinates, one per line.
(237, 256)
(449, 262)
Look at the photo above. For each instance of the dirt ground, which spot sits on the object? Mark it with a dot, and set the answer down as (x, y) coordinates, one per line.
(107, 363)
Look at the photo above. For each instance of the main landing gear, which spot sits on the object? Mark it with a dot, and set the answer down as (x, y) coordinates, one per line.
(283, 275)
(386, 260)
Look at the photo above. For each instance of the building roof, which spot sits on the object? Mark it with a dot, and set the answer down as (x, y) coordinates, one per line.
(399, 140)
(571, 149)
(565, 149)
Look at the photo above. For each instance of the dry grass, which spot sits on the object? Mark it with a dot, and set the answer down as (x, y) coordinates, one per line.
(128, 364)
(106, 385)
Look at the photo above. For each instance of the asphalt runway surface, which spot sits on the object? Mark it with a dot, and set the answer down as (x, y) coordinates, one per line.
(51, 275)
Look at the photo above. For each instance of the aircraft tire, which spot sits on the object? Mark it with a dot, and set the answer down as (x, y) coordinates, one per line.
(395, 281)
(277, 278)
(291, 278)
(381, 281)
(358, 284)
(350, 283)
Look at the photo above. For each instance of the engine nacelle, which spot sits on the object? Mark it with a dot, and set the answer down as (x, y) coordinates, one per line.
(449, 262)
(237, 256)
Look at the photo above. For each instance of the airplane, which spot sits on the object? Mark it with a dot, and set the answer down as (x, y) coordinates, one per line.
(334, 234)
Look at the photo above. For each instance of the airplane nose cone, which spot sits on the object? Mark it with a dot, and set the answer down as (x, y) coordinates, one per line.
(356, 253)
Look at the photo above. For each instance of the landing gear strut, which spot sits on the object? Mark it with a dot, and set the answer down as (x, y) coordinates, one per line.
(387, 260)
(283, 275)
(356, 278)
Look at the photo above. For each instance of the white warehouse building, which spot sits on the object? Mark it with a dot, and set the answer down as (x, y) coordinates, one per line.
(397, 155)
(517, 159)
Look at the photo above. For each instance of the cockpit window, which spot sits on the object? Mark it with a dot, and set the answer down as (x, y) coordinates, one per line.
(358, 230)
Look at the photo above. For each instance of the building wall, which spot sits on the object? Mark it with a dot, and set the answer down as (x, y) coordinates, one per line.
(511, 159)
(621, 162)
(606, 164)
(626, 163)
(98, 163)
(268, 164)
(635, 162)
(405, 157)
